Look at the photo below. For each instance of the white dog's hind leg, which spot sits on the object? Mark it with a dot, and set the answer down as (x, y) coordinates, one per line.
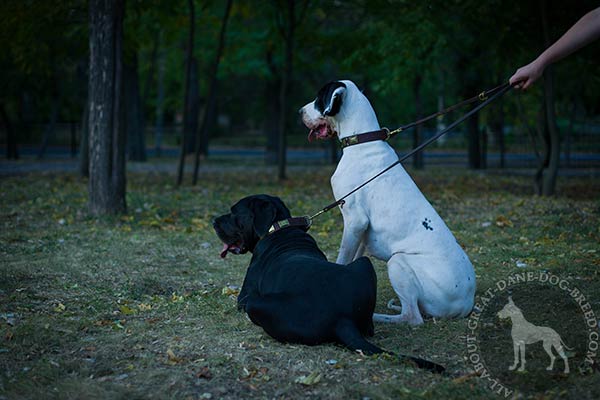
(408, 290)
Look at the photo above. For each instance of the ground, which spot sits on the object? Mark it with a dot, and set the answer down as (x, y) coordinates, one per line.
(141, 305)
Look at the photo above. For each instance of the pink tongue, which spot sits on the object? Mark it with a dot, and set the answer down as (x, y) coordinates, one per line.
(320, 132)
(224, 251)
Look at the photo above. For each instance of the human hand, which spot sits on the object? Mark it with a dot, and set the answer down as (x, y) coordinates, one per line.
(526, 75)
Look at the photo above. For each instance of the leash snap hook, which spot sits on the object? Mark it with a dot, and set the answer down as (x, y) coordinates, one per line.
(308, 221)
(482, 96)
(387, 133)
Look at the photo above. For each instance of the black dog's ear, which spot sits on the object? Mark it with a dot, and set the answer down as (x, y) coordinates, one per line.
(264, 215)
(329, 98)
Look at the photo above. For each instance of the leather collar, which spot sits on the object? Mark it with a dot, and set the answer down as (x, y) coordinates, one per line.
(381, 134)
(302, 222)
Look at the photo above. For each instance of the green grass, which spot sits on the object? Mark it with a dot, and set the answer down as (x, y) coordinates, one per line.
(135, 306)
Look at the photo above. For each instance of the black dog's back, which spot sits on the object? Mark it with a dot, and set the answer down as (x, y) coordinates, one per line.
(296, 295)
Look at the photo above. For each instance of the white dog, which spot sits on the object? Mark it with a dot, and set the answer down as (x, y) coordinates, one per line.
(390, 218)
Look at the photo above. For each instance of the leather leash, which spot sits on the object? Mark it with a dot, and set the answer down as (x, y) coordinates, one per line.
(486, 98)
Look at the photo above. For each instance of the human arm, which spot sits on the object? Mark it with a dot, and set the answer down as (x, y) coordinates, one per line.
(586, 30)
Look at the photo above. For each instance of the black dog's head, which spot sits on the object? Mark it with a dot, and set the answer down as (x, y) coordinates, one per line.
(249, 221)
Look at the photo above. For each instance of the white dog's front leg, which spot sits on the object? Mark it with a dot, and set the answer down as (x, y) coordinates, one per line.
(354, 230)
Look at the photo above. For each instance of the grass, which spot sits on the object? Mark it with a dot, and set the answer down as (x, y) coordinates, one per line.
(141, 306)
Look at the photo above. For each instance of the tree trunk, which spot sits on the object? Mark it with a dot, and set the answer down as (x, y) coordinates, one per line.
(417, 158)
(288, 35)
(484, 149)
(134, 122)
(84, 148)
(474, 148)
(549, 182)
(25, 115)
(209, 112)
(107, 139)
(73, 142)
(160, 101)
(191, 117)
(271, 121)
(544, 158)
(497, 127)
(272, 112)
(569, 132)
(471, 82)
(51, 127)
(186, 99)
(11, 140)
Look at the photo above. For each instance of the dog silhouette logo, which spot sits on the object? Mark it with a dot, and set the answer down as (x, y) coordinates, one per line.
(524, 332)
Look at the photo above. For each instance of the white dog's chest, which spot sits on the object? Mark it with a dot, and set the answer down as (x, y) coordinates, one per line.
(399, 217)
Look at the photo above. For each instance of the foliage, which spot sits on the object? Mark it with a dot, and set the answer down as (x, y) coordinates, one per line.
(381, 44)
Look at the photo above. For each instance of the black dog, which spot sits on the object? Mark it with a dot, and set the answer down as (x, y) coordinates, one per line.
(290, 289)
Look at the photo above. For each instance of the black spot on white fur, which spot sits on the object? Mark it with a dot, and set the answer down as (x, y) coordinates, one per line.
(426, 223)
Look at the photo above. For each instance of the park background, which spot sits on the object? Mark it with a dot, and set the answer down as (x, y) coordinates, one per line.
(110, 282)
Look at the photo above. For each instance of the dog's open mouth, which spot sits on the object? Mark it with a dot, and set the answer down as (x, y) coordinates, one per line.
(322, 131)
(235, 248)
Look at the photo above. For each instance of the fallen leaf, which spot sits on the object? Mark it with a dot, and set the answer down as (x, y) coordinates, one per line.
(204, 373)
(466, 377)
(230, 290)
(309, 380)
(247, 346)
(125, 310)
(172, 359)
(176, 299)
(118, 324)
(60, 307)
(502, 221)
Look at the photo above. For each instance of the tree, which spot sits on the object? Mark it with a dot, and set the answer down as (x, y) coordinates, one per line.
(287, 21)
(84, 143)
(189, 111)
(209, 109)
(134, 121)
(107, 139)
(548, 184)
(11, 142)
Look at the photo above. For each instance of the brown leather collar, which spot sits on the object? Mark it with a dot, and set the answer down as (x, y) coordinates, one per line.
(303, 222)
(381, 134)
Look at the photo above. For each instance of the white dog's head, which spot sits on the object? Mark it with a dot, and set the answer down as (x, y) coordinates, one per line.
(341, 110)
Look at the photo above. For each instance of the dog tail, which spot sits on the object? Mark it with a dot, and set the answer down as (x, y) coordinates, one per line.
(564, 345)
(348, 334)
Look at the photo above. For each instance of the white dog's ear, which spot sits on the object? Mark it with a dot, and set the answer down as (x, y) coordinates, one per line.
(329, 99)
